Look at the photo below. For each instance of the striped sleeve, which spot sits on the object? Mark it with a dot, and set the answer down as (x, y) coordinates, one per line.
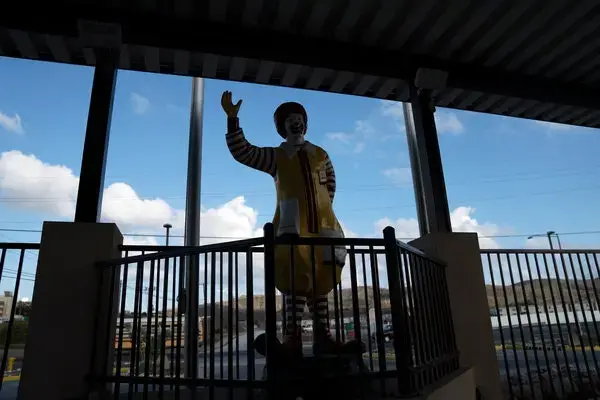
(330, 177)
(259, 158)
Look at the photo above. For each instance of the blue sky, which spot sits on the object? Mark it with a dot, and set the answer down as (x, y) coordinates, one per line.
(505, 176)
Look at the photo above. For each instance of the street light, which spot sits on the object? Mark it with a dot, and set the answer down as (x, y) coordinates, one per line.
(552, 233)
(168, 228)
(549, 235)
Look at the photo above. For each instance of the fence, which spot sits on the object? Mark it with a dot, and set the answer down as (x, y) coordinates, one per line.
(17, 261)
(544, 313)
(186, 318)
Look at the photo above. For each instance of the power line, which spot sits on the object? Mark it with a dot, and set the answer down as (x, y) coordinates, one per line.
(126, 234)
(158, 235)
(524, 176)
(397, 206)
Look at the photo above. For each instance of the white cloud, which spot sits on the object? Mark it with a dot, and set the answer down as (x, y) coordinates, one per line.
(347, 232)
(25, 300)
(139, 103)
(359, 147)
(383, 123)
(399, 176)
(392, 109)
(28, 183)
(462, 221)
(406, 228)
(448, 122)
(365, 128)
(554, 126)
(339, 136)
(12, 124)
(342, 142)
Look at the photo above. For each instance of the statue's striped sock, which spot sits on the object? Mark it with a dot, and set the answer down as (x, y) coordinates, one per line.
(320, 310)
(292, 304)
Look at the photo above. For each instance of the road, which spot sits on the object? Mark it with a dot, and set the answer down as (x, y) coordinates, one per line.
(242, 370)
(524, 357)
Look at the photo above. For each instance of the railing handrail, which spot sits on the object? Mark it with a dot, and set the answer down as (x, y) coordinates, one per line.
(539, 251)
(255, 249)
(257, 243)
(172, 251)
(183, 251)
(420, 253)
(326, 241)
(19, 246)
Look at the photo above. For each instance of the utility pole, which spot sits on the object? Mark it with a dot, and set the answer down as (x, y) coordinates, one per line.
(192, 229)
(168, 227)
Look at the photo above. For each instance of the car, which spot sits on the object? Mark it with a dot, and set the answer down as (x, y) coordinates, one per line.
(388, 334)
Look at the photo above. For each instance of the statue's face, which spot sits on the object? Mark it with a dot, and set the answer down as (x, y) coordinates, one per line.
(295, 128)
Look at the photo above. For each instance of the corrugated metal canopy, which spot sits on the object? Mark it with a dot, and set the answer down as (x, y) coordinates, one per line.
(525, 58)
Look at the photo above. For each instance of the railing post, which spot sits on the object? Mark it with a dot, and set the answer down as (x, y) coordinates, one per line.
(270, 306)
(402, 342)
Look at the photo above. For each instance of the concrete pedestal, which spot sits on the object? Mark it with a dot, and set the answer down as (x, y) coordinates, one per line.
(468, 302)
(70, 291)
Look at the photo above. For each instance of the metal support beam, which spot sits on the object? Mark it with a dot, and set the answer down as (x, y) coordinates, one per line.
(192, 228)
(240, 41)
(413, 152)
(95, 148)
(426, 163)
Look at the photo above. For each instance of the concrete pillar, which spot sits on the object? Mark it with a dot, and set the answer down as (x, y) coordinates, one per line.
(70, 291)
(468, 302)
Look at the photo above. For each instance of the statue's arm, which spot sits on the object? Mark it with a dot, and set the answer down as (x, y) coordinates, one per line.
(259, 158)
(330, 172)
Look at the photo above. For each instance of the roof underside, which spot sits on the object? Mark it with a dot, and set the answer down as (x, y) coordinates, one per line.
(536, 59)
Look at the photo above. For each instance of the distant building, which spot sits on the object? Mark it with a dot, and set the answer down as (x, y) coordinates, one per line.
(6, 305)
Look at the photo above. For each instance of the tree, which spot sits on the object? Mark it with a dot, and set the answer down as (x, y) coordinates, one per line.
(19, 332)
(23, 308)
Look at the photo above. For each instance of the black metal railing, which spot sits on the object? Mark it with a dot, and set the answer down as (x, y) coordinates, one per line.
(391, 297)
(544, 313)
(17, 275)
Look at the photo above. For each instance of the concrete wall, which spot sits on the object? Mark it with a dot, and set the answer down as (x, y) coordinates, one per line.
(58, 356)
(468, 302)
(457, 386)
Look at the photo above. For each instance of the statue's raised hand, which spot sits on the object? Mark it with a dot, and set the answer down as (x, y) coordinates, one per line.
(230, 109)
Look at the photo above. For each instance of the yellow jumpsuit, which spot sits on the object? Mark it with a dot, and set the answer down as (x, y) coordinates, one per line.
(304, 207)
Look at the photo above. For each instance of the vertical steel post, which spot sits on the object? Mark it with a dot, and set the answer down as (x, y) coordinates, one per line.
(411, 137)
(95, 147)
(167, 228)
(270, 310)
(558, 241)
(192, 228)
(426, 163)
(401, 338)
(549, 234)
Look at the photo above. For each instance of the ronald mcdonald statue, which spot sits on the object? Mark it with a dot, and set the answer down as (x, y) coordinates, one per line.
(305, 183)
